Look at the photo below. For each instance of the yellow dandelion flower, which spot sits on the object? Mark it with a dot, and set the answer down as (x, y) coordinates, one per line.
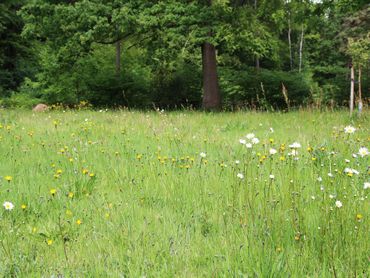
(53, 191)
(282, 158)
(23, 206)
(85, 171)
(91, 175)
(70, 195)
(79, 222)
(359, 217)
(8, 178)
(49, 242)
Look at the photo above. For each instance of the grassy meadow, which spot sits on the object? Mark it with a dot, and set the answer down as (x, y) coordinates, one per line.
(184, 194)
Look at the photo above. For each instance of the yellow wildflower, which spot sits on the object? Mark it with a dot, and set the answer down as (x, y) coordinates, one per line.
(53, 191)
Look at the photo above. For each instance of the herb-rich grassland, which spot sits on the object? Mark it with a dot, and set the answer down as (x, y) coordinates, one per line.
(177, 194)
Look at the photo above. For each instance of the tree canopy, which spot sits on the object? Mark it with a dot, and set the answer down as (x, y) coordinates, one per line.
(178, 53)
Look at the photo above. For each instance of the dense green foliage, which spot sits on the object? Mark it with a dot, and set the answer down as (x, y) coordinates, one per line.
(65, 51)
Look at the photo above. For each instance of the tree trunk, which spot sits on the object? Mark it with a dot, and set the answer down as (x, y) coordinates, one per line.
(257, 63)
(352, 96)
(118, 58)
(290, 45)
(301, 50)
(257, 58)
(359, 91)
(211, 91)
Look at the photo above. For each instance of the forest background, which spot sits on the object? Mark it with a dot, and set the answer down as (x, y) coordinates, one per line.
(255, 54)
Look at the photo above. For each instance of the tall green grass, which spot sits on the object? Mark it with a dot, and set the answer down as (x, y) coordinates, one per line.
(120, 194)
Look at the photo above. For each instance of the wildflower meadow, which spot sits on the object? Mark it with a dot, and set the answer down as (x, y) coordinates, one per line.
(184, 194)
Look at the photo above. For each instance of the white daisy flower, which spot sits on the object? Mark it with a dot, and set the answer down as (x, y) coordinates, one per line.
(242, 141)
(366, 185)
(363, 152)
(240, 176)
(203, 155)
(272, 151)
(295, 145)
(338, 204)
(349, 129)
(255, 140)
(250, 136)
(8, 205)
(351, 171)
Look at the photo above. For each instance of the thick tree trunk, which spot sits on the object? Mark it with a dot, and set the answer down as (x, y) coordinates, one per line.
(290, 45)
(211, 91)
(352, 96)
(301, 50)
(118, 57)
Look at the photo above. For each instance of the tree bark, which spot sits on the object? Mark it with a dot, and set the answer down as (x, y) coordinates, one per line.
(360, 104)
(290, 45)
(301, 50)
(258, 63)
(352, 95)
(211, 91)
(118, 57)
